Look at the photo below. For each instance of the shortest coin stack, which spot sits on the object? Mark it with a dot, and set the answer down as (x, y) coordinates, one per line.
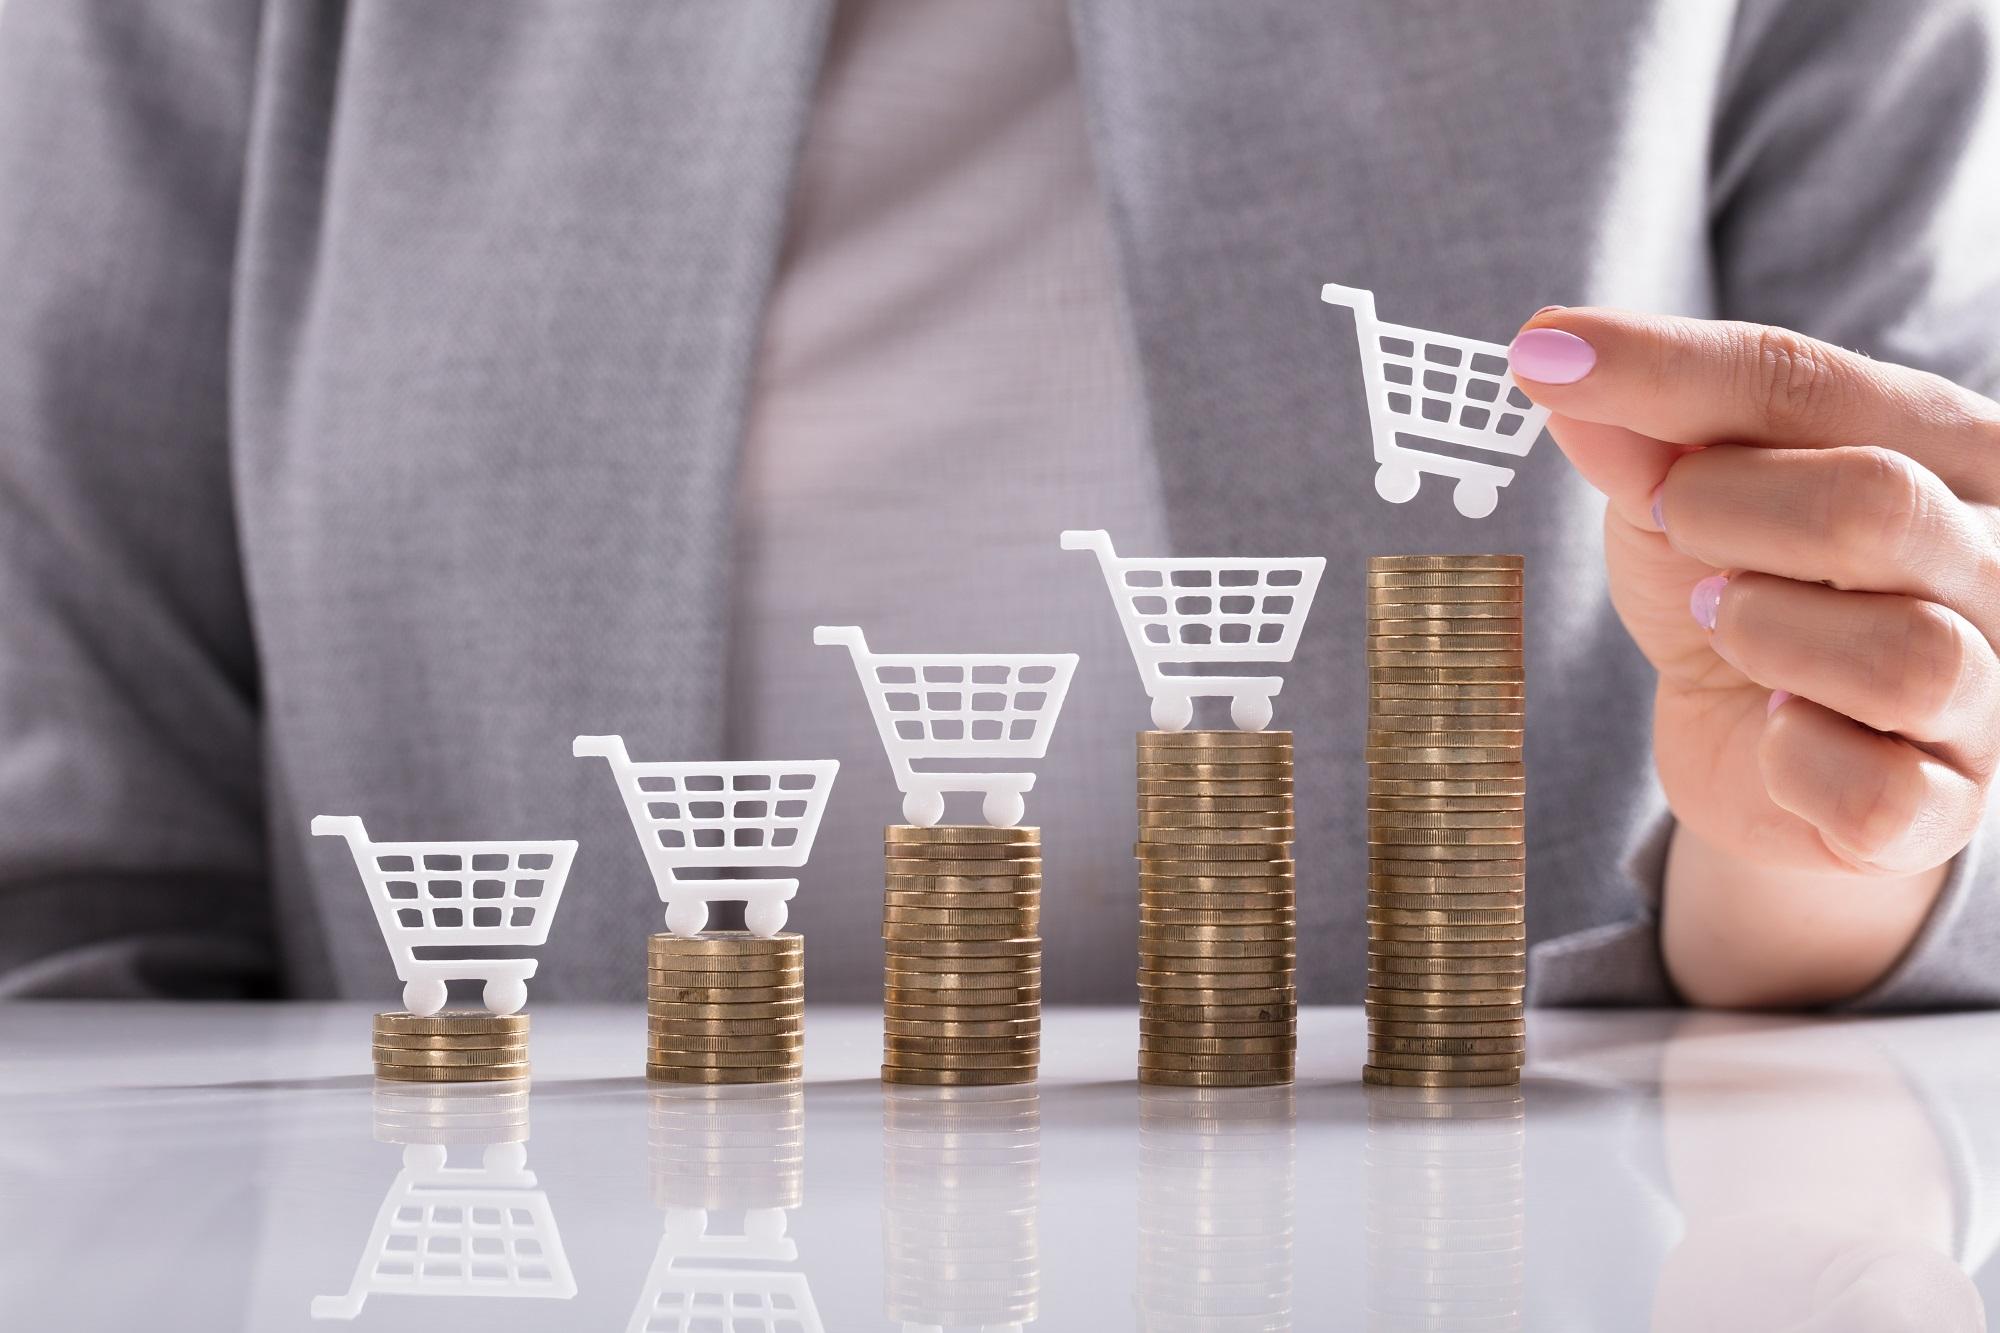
(451, 1047)
(725, 1007)
(962, 966)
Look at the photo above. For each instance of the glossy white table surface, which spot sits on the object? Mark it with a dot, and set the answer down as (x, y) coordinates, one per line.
(224, 1167)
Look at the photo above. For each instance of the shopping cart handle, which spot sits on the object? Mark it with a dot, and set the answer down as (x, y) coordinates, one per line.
(349, 827)
(845, 636)
(1094, 539)
(1359, 299)
(602, 747)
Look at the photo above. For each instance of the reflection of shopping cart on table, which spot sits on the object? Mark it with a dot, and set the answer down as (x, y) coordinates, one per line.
(454, 895)
(1186, 612)
(701, 1281)
(1440, 387)
(958, 706)
(736, 815)
(459, 1231)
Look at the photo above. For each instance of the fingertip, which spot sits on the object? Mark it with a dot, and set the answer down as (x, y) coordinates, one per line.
(1550, 356)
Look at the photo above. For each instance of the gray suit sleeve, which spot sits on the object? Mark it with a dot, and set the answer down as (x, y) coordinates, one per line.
(1854, 198)
(131, 850)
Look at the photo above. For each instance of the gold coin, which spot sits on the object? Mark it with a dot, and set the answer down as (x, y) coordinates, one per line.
(1162, 920)
(992, 858)
(1446, 564)
(1220, 1061)
(1406, 770)
(1162, 903)
(1022, 974)
(1467, 953)
(1448, 789)
(780, 1073)
(400, 1073)
(1447, 979)
(1392, 592)
(1260, 886)
(901, 1060)
(1286, 1010)
(758, 1009)
(729, 944)
(711, 1059)
(1262, 841)
(450, 1024)
(1385, 693)
(776, 973)
(1444, 636)
(904, 865)
(1190, 995)
(488, 1055)
(1458, 1064)
(1023, 917)
(1158, 787)
(1271, 822)
(958, 888)
(1514, 901)
(1259, 853)
(1215, 772)
(927, 933)
(962, 1045)
(1276, 978)
(1440, 868)
(1509, 1044)
(477, 1041)
(1438, 1078)
(1422, 703)
(1446, 999)
(969, 902)
(960, 967)
(1167, 807)
(957, 1077)
(681, 1041)
(1283, 1044)
(959, 834)
(1391, 835)
(1390, 659)
(1444, 916)
(1410, 822)
(1460, 756)
(961, 1013)
(1511, 1029)
(1191, 1078)
(1208, 868)
(1029, 947)
(1206, 934)
(1013, 1029)
(1398, 875)
(1206, 740)
(659, 991)
(1026, 992)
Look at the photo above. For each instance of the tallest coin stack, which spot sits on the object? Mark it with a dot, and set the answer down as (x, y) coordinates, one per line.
(1447, 787)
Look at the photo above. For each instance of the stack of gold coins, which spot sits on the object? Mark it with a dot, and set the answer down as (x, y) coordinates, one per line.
(961, 1185)
(1447, 789)
(451, 1113)
(725, 1007)
(962, 973)
(1218, 937)
(451, 1047)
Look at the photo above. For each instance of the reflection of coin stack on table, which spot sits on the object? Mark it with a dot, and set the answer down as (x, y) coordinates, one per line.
(1446, 1188)
(455, 1113)
(725, 1007)
(1218, 939)
(1447, 936)
(728, 1147)
(961, 1183)
(962, 982)
(451, 1047)
(1216, 1205)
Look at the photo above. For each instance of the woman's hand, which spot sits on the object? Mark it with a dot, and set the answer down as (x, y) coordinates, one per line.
(1805, 543)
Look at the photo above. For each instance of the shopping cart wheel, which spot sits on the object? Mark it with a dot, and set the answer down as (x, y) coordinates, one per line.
(504, 1159)
(504, 995)
(1250, 714)
(687, 916)
(764, 919)
(1475, 499)
(1397, 484)
(424, 996)
(924, 808)
(1173, 714)
(1003, 809)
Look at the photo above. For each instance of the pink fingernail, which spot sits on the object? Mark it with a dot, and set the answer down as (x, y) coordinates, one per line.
(1776, 701)
(1706, 600)
(1660, 506)
(1550, 356)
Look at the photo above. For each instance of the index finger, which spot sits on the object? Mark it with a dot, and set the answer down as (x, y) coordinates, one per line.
(1700, 382)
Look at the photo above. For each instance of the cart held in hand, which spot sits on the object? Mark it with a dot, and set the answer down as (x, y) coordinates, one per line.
(704, 1279)
(1188, 613)
(720, 816)
(958, 707)
(459, 1231)
(1442, 388)
(432, 896)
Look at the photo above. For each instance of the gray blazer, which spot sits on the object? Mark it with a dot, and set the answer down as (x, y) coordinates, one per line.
(370, 376)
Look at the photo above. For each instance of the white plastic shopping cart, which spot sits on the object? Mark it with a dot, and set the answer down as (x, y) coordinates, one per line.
(459, 1231)
(457, 895)
(702, 1281)
(1187, 612)
(729, 815)
(1437, 386)
(958, 706)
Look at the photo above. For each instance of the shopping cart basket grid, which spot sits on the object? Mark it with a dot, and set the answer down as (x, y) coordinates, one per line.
(1444, 388)
(701, 1280)
(1192, 611)
(958, 706)
(456, 895)
(735, 816)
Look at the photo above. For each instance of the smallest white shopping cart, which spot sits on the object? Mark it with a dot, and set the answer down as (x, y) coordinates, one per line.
(692, 815)
(1444, 388)
(959, 706)
(704, 1278)
(459, 1231)
(1184, 613)
(449, 896)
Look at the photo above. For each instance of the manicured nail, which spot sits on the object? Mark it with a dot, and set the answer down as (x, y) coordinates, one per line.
(1660, 506)
(1776, 701)
(1706, 600)
(1550, 356)
(1545, 310)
